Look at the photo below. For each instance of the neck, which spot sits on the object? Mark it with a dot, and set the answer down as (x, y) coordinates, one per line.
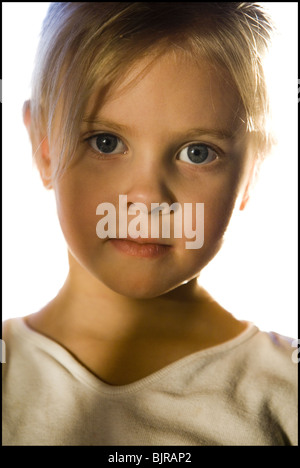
(87, 304)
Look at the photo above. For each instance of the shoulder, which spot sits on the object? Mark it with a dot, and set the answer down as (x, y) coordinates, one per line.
(14, 333)
(17, 346)
(9, 332)
(273, 353)
(251, 380)
(27, 351)
(267, 382)
(268, 359)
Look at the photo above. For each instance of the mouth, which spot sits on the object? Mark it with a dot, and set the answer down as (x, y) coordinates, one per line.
(147, 248)
(146, 240)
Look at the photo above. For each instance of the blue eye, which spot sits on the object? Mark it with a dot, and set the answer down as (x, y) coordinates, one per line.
(197, 153)
(106, 143)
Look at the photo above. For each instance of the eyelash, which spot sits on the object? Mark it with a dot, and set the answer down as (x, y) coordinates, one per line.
(101, 155)
(98, 153)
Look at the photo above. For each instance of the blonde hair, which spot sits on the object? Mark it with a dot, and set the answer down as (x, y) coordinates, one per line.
(86, 46)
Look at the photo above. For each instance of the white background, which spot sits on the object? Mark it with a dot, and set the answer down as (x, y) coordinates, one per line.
(255, 274)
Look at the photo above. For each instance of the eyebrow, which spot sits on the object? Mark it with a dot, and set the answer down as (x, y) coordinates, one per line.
(106, 123)
(221, 134)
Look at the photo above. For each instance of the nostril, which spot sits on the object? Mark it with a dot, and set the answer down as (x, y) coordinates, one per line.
(137, 206)
(164, 208)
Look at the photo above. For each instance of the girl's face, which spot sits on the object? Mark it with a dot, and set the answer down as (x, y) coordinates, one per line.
(176, 135)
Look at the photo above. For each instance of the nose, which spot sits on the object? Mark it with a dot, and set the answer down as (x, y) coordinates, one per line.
(149, 182)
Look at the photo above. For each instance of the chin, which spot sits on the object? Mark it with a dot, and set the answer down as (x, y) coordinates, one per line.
(139, 289)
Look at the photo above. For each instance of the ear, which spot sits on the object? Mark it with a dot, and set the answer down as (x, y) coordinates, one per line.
(250, 183)
(40, 149)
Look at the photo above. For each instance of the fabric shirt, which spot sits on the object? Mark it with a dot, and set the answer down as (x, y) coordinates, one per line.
(242, 392)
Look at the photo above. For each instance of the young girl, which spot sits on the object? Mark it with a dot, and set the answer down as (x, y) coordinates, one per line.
(158, 103)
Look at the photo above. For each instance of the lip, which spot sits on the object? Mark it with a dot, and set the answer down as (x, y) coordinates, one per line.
(142, 240)
(140, 247)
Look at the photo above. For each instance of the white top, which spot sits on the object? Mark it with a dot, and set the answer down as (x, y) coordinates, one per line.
(242, 392)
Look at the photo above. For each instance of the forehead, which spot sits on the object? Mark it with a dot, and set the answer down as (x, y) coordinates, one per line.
(173, 90)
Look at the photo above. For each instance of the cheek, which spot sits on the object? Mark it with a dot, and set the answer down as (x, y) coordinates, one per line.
(77, 200)
(217, 214)
(219, 195)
